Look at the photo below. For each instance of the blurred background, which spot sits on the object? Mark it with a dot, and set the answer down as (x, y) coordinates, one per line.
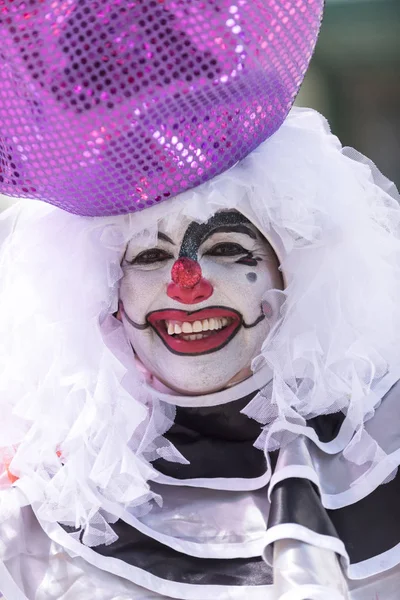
(354, 79)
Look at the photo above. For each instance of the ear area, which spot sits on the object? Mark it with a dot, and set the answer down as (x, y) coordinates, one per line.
(118, 314)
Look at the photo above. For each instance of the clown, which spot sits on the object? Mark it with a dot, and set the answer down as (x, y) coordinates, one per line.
(199, 357)
(212, 412)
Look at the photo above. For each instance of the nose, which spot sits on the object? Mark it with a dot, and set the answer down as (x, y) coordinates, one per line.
(188, 286)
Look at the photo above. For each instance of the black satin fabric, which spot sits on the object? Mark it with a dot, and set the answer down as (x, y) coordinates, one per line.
(134, 548)
(372, 525)
(218, 441)
(327, 427)
(367, 528)
(297, 501)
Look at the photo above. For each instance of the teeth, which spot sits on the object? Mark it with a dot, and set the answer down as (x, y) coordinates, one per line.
(196, 327)
(217, 323)
(193, 336)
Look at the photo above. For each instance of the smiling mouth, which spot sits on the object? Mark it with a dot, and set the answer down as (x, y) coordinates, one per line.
(199, 332)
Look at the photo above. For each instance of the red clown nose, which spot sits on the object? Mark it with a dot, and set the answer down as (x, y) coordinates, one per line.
(186, 272)
(187, 285)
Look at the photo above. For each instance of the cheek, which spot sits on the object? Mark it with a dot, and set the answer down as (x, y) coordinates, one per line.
(139, 289)
(243, 288)
(263, 278)
(253, 281)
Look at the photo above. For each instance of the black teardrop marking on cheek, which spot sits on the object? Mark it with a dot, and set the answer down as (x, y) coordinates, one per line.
(252, 277)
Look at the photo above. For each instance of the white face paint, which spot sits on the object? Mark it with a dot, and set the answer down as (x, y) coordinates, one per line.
(200, 332)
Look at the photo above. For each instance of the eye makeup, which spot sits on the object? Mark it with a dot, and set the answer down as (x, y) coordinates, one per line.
(250, 260)
(197, 233)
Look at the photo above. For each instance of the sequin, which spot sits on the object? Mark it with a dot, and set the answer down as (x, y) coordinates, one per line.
(186, 272)
(110, 106)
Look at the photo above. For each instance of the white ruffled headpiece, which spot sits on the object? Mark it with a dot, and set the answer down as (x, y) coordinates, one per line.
(79, 426)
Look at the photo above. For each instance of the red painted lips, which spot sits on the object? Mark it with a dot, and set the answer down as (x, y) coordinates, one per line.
(219, 326)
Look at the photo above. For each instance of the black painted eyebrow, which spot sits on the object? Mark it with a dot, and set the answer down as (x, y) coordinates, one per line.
(165, 238)
(197, 233)
(230, 229)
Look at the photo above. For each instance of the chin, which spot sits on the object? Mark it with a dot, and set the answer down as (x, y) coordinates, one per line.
(201, 374)
(197, 381)
(189, 388)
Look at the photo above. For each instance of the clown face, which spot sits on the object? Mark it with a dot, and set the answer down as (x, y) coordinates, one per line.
(192, 306)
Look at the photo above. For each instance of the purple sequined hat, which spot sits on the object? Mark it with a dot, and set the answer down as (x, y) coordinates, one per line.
(109, 106)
